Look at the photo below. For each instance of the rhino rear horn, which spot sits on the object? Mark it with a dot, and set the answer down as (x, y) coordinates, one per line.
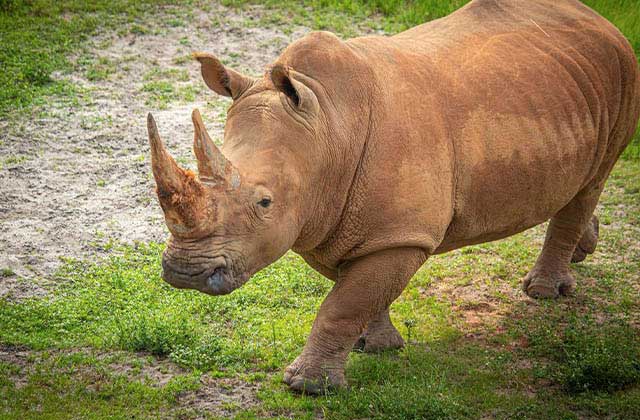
(212, 165)
(168, 175)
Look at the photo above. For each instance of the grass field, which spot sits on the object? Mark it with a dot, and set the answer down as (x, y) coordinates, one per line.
(112, 340)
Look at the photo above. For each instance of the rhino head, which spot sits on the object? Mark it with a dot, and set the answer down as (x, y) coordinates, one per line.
(245, 208)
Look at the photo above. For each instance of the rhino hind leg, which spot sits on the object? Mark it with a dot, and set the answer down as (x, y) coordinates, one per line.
(380, 335)
(571, 235)
(588, 242)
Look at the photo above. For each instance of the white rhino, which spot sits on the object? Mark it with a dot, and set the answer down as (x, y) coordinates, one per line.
(369, 155)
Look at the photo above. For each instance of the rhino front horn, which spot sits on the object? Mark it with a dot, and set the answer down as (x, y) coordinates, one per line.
(212, 165)
(168, 175)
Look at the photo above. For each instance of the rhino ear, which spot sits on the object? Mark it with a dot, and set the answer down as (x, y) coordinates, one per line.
(220, 79)
(293, 85)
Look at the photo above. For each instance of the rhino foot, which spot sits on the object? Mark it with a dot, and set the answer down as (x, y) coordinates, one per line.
(588, 242)
(378, 340)
(540, 284)
(380, 335)
(304, 377)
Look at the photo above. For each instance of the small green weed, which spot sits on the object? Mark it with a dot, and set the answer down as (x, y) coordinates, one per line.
(101, 69)
(156, 335)
(13, 160)
(163, 92)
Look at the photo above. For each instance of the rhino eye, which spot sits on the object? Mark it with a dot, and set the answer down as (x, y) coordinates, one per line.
(265, 202)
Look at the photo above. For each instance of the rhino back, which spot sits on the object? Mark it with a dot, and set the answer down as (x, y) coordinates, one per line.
(489, 121)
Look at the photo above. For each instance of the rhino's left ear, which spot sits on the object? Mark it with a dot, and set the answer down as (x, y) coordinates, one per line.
(294, 86)
(220, 79)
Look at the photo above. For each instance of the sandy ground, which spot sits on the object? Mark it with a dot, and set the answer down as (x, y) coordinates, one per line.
(76, 178)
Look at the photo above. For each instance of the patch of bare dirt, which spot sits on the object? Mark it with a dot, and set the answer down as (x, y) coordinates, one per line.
(222, 396)
(19, 358)
(14, 287)
(214, 396)
(75, 177)
(15, 355)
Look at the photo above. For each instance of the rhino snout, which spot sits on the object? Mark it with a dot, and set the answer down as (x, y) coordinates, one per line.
(214, 279)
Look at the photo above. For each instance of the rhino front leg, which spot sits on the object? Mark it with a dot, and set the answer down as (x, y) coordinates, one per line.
(380, 335)
(364, 288)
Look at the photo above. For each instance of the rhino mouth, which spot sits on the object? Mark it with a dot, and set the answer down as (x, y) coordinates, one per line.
(220, 282)
(217, 279)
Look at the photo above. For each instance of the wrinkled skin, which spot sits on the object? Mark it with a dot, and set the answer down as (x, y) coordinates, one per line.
(366, 156)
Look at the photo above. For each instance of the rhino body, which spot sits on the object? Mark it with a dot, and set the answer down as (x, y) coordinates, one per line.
(380, 151)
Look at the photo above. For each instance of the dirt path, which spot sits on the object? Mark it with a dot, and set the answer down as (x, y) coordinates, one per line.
(77, 177)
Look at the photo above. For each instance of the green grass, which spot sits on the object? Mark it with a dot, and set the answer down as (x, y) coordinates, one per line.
(577, 357)
(101, 69)
(12, 160)
(625, 14)
(38, 36)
